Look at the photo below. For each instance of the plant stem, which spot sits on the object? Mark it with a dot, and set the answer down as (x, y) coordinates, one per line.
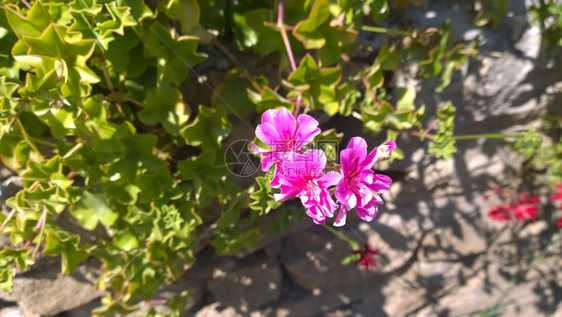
(283, 29)
(385, 30)
(41, 141)
(354, 245)
(485, 136)
(110, 86)
(470, 136)
(75, 149)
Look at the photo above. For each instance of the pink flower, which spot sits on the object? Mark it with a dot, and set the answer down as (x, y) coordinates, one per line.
(359, 185)
(285, 135)
(304, 177)
(557, 196)
(365, 256)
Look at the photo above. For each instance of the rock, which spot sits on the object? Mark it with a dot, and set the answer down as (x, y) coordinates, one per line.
(461, 239)
(313, 258)
(46, 292)
(319, 302)
(217, 310)
(12, 311)
(247, 283)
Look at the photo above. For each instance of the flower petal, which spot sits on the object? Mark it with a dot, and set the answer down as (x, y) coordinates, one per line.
(307, 129)
(348, 162)
(285, 124)
(329, 179)
(341, 218)
(357, 143)
(343, 193)
(268, 134)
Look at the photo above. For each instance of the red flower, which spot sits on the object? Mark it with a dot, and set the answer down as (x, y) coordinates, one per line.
(559, 223)
(366, 256)
(501, 213)
(525, 205)
(557, 196)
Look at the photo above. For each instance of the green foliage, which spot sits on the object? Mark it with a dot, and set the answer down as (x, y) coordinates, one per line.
(94, 117)
(548, 14)
(529, 143)
(263, 198)
(490, 12)
(444, 143)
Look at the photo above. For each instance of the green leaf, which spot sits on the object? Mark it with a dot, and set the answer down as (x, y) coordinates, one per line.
(268, 39)
(406, 99)
(307, 31)
(263, 200)
(165, 106)
(186, 11)
(7, 279)
(317, 33)
(69, 247)
(126, 241)
(33, 24)
(92, 209)
(491, 11)
(210, 127)
(121, 18)
(207, 174)
(317, 85)
(90, 7)
(233, 94)
(269, 99)
(118, 52)
(175, 55)
(20, 257)
(74, 55)
(351, 258)
(213, 14)
(444, 145)
(379, 10)
(49, 171)
(124, 193)
(386, 116)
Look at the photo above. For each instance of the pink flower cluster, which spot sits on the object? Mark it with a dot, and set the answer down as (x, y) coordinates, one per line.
(520, 207)
(303, 173)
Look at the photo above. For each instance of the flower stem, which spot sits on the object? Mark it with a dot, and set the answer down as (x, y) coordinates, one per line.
(486, 136)
(283, 29)
(354, 245)
(385, 30)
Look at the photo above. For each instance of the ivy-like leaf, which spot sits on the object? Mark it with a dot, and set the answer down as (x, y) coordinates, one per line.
(263, 200)
(69, 247)
(316, 32)
(208, 130)
(92, 209)
(444, 145)
(317, 85)
(165, 106)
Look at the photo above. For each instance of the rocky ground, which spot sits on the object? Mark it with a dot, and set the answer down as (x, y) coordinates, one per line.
(440, 255)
